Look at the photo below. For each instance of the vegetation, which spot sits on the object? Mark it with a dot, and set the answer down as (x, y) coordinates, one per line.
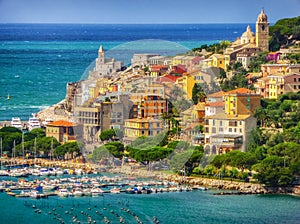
(284, 32)
(216, 47)
(198, 95)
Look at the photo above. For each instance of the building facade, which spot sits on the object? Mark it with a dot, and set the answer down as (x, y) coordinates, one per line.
(62, 131)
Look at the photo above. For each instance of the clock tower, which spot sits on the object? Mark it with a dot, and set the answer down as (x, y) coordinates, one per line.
(262, 31)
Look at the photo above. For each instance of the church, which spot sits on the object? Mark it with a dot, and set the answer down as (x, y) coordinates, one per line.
(250, 43)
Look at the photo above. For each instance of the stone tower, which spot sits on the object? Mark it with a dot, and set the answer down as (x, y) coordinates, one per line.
(262, 31)
(101, 55)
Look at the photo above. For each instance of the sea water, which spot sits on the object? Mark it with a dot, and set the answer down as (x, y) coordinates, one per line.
(37, 60)
(169, 208)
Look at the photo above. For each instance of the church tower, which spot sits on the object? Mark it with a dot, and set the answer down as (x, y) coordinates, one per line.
(262, 32)
(101, 55)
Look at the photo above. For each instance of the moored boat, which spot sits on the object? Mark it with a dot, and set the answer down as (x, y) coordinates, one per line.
(33, 123)
(16, 122)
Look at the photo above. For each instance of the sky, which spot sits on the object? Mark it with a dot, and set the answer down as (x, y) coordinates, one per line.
(144, 11)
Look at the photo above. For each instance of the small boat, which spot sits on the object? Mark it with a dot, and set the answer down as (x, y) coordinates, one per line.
(33, 123)
(44, 172)
(115, 190)
(77, 192)
(47, 121)
(96, 191)
(16, 122)
(63, 192)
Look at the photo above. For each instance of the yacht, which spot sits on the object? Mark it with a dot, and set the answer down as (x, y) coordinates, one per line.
(47, 121)
(16, 122)
(33, 123)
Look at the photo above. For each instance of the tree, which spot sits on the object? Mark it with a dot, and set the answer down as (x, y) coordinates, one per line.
(198, 94)
(107, 135)
(272, 172)
(115, 148)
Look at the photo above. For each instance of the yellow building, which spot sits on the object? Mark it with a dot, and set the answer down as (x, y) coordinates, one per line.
(138, 127)
(62, 131)
(188, 81)
(241, 101)
(218, 60)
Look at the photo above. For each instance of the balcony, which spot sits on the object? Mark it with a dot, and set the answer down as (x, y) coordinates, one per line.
(227, 140)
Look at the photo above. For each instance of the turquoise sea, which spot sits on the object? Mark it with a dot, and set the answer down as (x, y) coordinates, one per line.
(36, 62)
(173, 207)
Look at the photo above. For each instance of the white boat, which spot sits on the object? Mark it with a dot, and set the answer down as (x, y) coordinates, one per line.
(96, 191)
(33, 123)
(44, 172)
(115, 190)
(47, 121)
(16, 122)
(63, 192)
(77, 192)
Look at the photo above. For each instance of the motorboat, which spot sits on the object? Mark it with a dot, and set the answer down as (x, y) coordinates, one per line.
(47, 121)
(63, 192)
(33, 123)
(16, 122)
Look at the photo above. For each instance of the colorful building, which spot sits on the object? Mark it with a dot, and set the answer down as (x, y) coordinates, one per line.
(241, 101)
(272, 86)
(137, 127)
(224, 133)
(62, 131)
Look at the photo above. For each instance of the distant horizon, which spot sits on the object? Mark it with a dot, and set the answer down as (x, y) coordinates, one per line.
(209, 23)
(144, 11)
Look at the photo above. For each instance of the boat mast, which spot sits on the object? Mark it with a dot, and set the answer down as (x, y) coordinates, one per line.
(34, 151)
(14, 152)
(1, 151)
(23, 145)
(51, 152)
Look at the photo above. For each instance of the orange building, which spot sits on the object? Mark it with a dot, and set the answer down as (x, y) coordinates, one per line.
(62, 131)
(241, 101)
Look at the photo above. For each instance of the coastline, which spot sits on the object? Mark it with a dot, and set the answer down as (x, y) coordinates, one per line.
(50, 112)
(236, 188)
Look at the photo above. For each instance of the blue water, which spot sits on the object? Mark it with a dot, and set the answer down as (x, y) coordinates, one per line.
(37, 60)
(169, 208)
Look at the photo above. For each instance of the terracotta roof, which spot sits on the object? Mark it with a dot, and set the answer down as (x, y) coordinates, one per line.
(61, 123)
(217, 94)
(168, 78)
(215, 104)
(240, 91)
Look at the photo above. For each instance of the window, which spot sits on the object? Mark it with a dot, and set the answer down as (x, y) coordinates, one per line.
(298, 79)
(214, 122)
(295, 79)
(235, 130)
(221, 123)
(213, 130)
(221, 130)
(206, 130)
(295, 87)
(240, 130)
(230, 129)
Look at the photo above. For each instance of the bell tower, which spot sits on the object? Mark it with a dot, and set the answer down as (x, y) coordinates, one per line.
(262, 32)
(101, 55)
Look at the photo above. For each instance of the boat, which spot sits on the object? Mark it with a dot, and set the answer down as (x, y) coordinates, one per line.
(63, 192)
(77, 192)
(96, 191)
(33, 123)
(115, 190)
(47, 121)
(16, 122)
(44, 172)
